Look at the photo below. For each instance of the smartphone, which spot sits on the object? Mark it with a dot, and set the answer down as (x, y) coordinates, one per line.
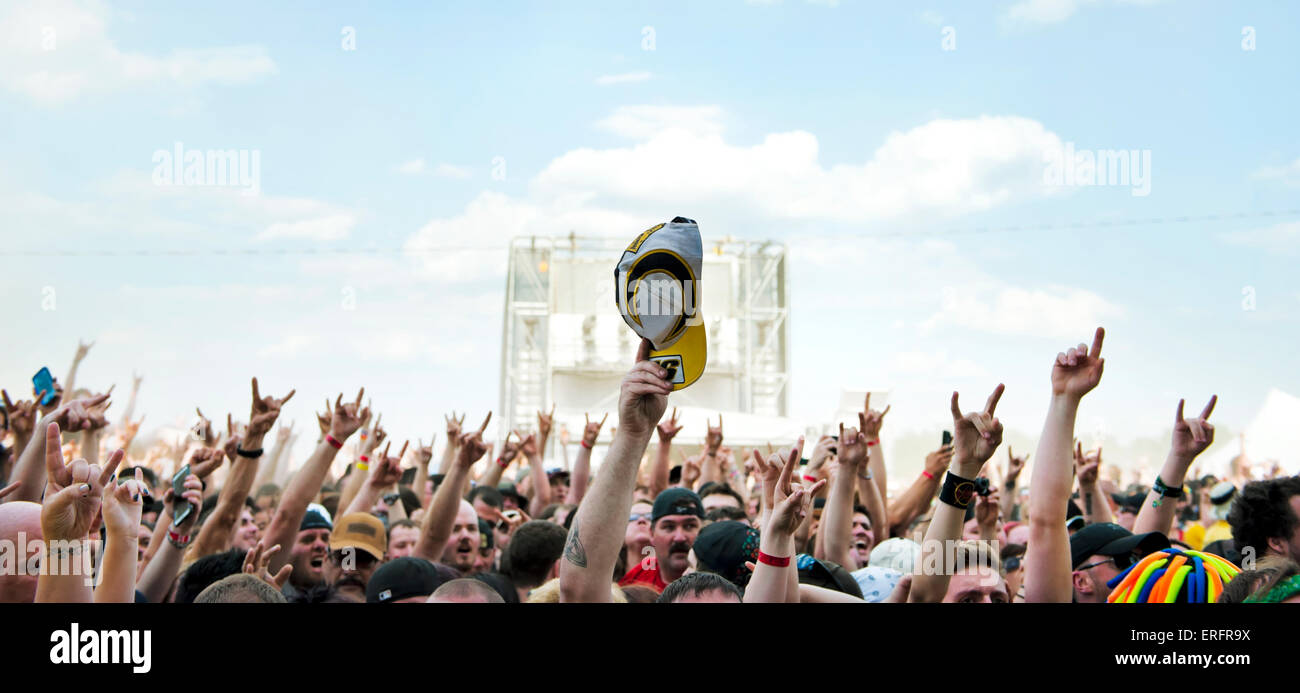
(183, 508)
(511, 514)
(947, 437)
(43, 381)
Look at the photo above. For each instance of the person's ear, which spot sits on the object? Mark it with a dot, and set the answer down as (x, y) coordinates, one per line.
(1278, 546)
(1082, 583)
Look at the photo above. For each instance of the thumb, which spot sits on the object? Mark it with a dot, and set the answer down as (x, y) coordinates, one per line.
(643, 351)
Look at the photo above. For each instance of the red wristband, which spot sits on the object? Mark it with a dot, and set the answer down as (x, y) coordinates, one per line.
(584, 444)
(927, 474)
(333, 441)
(501, 461)
(773, 560)
(810, 478)
(365, 458)
(873, 442)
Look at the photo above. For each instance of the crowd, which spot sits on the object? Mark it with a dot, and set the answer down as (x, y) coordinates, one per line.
(219, 519)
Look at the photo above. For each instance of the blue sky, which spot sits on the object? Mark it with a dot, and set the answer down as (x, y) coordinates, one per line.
(842, 128)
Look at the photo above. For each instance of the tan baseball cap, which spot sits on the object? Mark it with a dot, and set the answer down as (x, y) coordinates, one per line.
(360, 531)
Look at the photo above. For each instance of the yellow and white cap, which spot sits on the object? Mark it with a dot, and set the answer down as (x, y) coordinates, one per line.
(657, 285)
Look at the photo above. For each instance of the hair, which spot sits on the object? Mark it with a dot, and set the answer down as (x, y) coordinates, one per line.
(251, 505)
(330, 501)
(696, 584)
(1262, 511)
(491, 496)
(208, 570)
(533, 550)
(1276, 569)
(150, 477)
(502, 584)
(410, 499)
(400, 523)
(466, 589)
(723, 490)
(319, 594)
(240, 589)
(640, 594)
(726, 512)
(267, 490)
(549, 593)
(1246, 583)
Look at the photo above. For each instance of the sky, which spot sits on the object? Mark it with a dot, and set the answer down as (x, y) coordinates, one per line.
(903, 151)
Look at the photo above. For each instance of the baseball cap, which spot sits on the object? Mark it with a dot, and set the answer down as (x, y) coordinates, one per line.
(897, 553)
(657, 288)
(402, 578)
(677, 501)
(316, 517)
(827, 574)
(360, 531)
(486, 538)
(509, 490)
(1109, 539)
(723, 548)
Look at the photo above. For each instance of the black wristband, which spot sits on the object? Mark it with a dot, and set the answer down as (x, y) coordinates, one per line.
(1167, 491)
(251, 454)
(956, 491)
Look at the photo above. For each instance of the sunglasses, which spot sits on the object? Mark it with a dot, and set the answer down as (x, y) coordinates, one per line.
(362, 559)
(1121, 562)
(637, 517)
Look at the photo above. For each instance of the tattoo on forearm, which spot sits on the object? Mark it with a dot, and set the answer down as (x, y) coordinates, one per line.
(573, 550)
(1087, 503)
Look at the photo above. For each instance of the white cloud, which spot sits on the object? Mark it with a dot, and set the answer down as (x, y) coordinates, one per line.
(451, 171)
(56, 51)
(624, 78)
(1043, 12)
(951, 166)
(412, 167)
(931, 17)
(936, 364)
(1054, 311)
(1287, 173)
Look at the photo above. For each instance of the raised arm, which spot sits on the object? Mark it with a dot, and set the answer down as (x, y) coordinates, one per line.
(70, 382)
(215, 534)
(266, 471)
(305, 484)
(545, 422)
(1047, 562)
(385, 471)
(775, 573)
(130, 402)
(1015, 465)
(77, 415)
(73, 494)
(1191, 438)
(871, 421)
(837, 518)
(159, 571)
(370, 441)
(975, 437)
(582, 466)
(438, 522)
(598, 529)
(1087, 466)
(711, 468)
(121, 509)
(453, 440)
(541, 496)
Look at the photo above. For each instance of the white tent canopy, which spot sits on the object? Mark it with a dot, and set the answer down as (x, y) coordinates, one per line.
(1271, 436)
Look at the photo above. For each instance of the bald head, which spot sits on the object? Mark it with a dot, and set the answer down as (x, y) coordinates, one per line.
(20, 524)
(465, 591)
(462, 546)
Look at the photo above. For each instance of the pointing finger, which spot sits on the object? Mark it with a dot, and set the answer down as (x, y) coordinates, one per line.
(485, 423)
(956, 410)
(1097, 338)
(257, 396)
(1205, 413)
(643, 351)
(1178, 416)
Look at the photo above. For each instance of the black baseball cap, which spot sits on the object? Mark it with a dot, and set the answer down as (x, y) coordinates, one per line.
(677, 501)
(508, 490)
(402, 578)
(1109, 539)
(723, 548)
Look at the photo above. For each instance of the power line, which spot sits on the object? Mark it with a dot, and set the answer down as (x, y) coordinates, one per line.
(400, 250)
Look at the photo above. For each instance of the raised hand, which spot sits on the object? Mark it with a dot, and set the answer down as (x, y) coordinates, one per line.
(643, 396)
(1192, 436)
(976, 435)
(527, 444)
(713, 438)
(453, 426)
(1088, 465)
(669, 429)
(81, 414)
(375, 436)
(205, 461)
(853, 445)
(283, 433)
(591, 431)
(265, 411)
(22, 415)
(193, 495)
(1078, 370)
(822, 451)
(545, 422)
(135, 381)
(871, 419)
(123, 504)
(690, 471)
(792, 501)
(987, 509)
(1015, 465)
(257, 563)
(472, 446)
(323, 418)
(82, 350)
(73, 492)
(386, 471)
(423, 453)
(54, 402)
(347, 418)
